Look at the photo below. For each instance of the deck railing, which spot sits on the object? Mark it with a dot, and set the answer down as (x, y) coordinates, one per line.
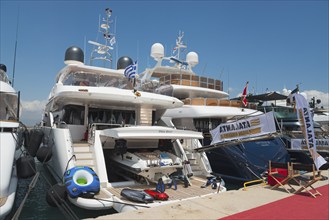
(217, 102)
(191, 80)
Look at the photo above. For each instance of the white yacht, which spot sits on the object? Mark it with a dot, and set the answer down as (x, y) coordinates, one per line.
(104, 139)
(205, 107)
(9, 142)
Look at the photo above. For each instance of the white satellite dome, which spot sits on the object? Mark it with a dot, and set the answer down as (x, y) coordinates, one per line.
(192, 58)
(157, 51)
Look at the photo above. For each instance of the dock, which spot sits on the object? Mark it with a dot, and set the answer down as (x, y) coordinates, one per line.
(235, 202)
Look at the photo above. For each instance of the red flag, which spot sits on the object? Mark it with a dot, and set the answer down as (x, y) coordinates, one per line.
(244, 94)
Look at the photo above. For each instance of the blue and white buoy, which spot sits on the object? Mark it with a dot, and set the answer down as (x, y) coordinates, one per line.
(81, 181)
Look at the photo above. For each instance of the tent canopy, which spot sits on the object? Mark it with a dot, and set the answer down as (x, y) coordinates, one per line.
(271, 96)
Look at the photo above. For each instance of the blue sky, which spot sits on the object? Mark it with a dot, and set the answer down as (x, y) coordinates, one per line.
(271, 44)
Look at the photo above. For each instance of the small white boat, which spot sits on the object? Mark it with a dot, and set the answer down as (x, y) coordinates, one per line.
(9, 142)
(148, 161)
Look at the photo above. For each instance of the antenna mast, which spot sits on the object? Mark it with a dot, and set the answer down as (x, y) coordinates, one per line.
(179, 46)
(102, 50)
(15, 51)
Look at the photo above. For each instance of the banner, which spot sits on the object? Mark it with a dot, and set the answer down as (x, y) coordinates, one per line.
(306, 121)
(300, 144)
(248, 127)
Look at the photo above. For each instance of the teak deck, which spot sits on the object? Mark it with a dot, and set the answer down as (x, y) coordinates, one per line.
(194, 190)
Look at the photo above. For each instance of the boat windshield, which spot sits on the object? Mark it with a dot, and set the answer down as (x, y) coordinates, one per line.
(4, 77)
(97, 80)
(8, 107)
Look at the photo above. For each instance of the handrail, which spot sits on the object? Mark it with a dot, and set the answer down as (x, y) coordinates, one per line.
(233, 142)
(253, 181)
(217, 102)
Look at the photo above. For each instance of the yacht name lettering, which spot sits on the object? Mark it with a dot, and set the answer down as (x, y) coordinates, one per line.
(235, 126)
(323, 142)
(308, 126)
(165, 131)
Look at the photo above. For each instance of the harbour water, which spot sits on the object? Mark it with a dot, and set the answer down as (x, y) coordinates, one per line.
(36, 206)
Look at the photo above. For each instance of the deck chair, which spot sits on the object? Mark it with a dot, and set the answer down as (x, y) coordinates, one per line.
(305, 182)
(280, 180)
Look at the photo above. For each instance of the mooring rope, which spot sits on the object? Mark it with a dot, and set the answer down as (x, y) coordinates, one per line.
(31, 186)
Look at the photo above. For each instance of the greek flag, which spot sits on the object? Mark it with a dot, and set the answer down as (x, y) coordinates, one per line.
(131, 70)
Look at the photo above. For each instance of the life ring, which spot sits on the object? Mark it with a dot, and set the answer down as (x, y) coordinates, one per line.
(81, 181)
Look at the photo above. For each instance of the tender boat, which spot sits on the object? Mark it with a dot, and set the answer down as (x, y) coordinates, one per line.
(104, 136)
(10, 140)
(207, 106)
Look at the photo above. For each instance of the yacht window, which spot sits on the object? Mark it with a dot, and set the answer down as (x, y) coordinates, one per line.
(3, 76)
(8, 107)
(97, 79)
(110, 116)
(73, 115)
(80, 79)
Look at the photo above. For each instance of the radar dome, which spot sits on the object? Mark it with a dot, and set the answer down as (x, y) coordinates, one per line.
(192, 58)
(123, 62)
(73, 55)
(157, 51)
(3, 67)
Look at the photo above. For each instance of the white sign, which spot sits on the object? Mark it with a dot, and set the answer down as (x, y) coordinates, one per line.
(300, 144)
(249, 127)
(306, 121)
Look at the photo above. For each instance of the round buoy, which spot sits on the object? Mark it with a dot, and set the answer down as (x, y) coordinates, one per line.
(56, 195)
(44, 154)
(81, 181)
(25, 167)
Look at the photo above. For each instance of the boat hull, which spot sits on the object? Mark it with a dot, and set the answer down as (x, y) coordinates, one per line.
(248, 161)
(8, 174)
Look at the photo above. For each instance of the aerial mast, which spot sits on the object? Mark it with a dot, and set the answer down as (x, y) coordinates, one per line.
(102, 51)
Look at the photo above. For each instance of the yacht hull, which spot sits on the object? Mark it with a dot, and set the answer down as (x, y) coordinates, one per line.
(248, 161)
(8, 174)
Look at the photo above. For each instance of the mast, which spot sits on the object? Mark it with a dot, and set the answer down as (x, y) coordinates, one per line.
(15, 51)
(179, 46)
(102, 51)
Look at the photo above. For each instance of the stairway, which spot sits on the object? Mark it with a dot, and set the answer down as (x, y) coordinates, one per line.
(145, 116)
(84, 155)
(195, 166)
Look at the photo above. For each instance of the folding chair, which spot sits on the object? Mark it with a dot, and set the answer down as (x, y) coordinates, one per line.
(280, 179)
(306, 182)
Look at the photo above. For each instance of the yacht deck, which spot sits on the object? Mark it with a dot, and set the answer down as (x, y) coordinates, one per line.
(181, 193)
